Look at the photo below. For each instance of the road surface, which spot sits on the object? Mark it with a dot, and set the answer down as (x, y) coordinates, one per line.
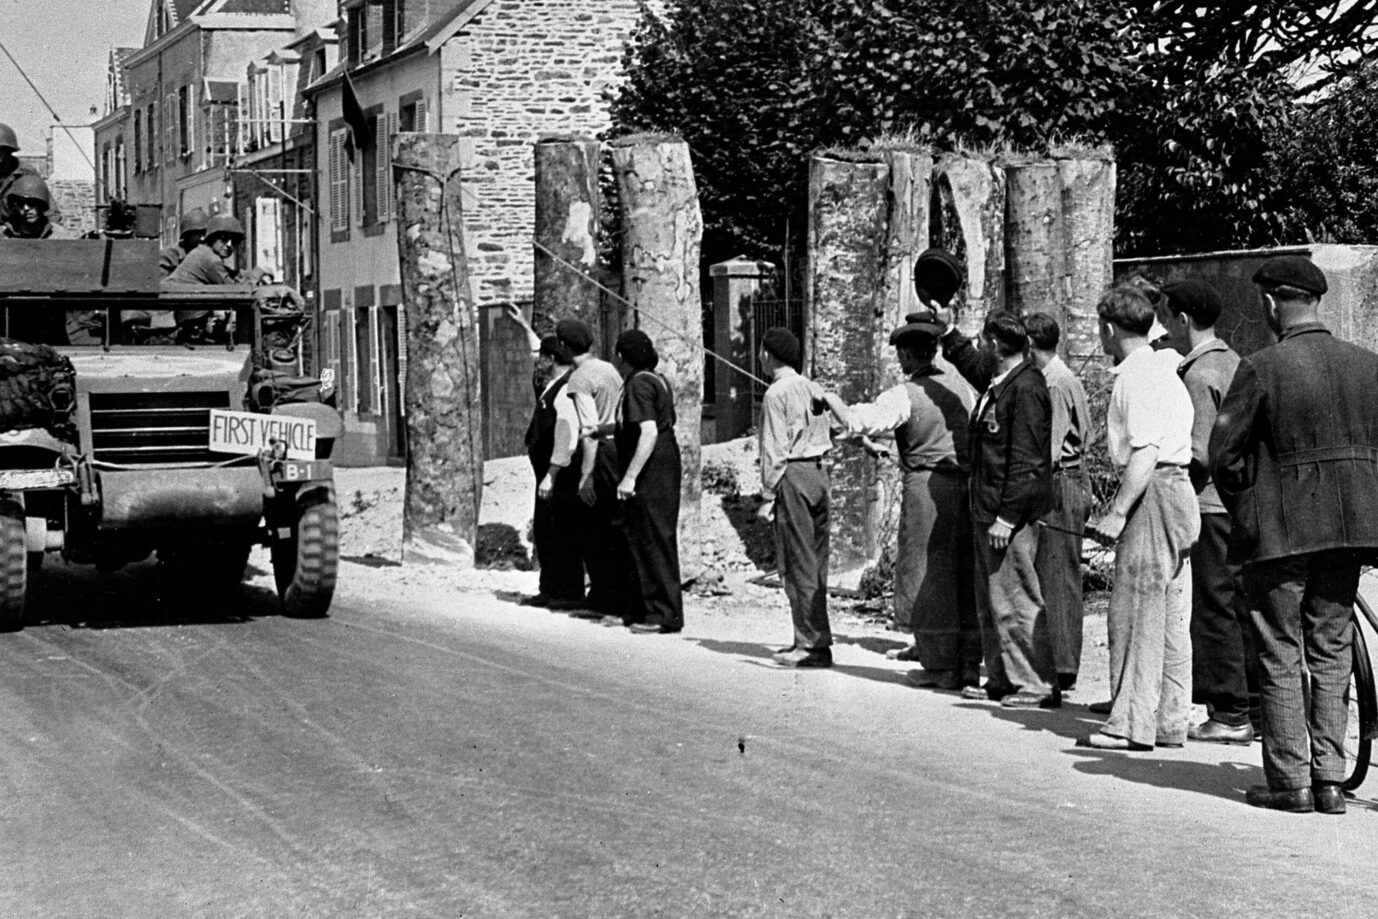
(435, 751)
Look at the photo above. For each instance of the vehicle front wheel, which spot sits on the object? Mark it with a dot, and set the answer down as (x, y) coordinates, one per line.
(14, 564)
(306, 562)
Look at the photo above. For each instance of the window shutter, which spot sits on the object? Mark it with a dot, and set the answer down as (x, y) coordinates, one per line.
(339, 183)
(191, 125)
(387, 126)
(243, 112)
(170, 122)
(356, 187)
(275, 111)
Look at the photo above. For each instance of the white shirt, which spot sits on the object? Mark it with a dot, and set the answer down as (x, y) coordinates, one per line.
(1149, 407)
(566, 426)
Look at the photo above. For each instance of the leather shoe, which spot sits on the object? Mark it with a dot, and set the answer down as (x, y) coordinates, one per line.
(1293, 800)
(1100, 708)
(1329, 799)
(565, 603)
(927, 679)
(1031, 700)
(805, 658)
(1212, 731)
(910, 653)
(651, 628)
(535, 600)
(990, 692)
(1102, 741)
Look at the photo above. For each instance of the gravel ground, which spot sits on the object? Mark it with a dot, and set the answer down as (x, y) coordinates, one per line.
(735, 545)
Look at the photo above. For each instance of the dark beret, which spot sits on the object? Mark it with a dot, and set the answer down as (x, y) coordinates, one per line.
(551, 346)
(1293, 271)
(938, 274)
(575, 334)
(637, 350)
(1195, 298)
(781, 344)
(916, 324)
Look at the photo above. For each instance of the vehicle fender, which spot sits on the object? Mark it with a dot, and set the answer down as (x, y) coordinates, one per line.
(329, 425)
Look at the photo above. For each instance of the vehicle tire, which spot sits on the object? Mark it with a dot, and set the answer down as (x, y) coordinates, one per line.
(306, 563)
(1362, 702)
(14, 570)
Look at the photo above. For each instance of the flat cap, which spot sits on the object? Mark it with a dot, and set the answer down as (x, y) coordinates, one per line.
(916, 324)
(1195, 298)
(575, 335)
(1293, 271)
(938, 274)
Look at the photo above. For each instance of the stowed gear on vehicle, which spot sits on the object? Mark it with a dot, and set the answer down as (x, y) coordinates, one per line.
(126, 434)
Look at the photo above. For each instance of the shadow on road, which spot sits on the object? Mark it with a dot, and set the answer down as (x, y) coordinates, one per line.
(78, 596)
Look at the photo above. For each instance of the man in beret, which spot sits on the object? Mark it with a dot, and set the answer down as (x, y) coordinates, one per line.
(794, 488)
(927, 415)
(1294, 454)
(594, 385)
(1222, 671)
(1011, 488)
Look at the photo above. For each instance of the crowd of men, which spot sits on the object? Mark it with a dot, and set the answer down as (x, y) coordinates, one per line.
(1243, 511)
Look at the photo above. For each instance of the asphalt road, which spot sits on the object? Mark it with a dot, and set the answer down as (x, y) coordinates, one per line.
(431, 752)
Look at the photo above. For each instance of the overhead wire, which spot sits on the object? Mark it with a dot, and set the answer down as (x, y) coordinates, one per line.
(57, 119)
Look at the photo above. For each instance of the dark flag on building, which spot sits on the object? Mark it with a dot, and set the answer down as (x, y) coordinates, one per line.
(359, 133)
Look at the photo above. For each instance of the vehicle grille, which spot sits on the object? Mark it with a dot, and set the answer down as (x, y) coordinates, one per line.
(154, 428)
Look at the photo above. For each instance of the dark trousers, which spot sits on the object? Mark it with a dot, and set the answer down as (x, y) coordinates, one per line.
(1013, 617)
(1058, 563)
(652, 532)
(555, 534)
(1224, 668)
(602, 540)
(1302, 608)
(801, 551)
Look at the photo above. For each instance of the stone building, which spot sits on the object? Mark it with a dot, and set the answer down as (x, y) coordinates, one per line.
(499, 73)
(172, 105)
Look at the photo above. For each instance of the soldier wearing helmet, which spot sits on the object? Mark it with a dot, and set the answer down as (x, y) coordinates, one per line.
(10, 168)
(206, 263)
(192, 232)
(27, 201)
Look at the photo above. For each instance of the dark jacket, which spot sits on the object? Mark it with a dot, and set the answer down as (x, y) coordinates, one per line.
(1011, 465)
(540, 434)
(1294, 451)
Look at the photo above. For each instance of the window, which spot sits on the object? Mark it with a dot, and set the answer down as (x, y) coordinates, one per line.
(138, 141)
(184, 120)
(368, 173)
(339, 185)
(390, 34)
(107, 172)
(151, 126)
(121, 167)
(411, 113)
(399, 17)
(373, 31)
(358, 38)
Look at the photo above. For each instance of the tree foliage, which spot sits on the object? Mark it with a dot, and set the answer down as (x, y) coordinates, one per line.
(1196, 98)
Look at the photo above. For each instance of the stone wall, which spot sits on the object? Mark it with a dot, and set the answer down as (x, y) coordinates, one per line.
(74, 203)
(523, 69)
(1350, 307)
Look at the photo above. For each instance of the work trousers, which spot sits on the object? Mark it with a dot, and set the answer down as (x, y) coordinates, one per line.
(1013, 617)
(934, 570)
(555, 534)
(652, 532)
(1224, 667)
(801, 551)
(602, 540)
(1302, 608)
(1058, 563)
(1150, 614)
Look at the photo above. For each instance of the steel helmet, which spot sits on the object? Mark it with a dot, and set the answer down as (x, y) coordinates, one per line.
(224, 225)
(31, 187)
(193, 221)
(8, 139)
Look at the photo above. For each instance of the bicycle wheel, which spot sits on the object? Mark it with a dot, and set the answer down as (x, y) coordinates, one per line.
(1361, 698)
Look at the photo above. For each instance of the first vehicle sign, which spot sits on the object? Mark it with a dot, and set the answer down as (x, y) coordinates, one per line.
(247, 433)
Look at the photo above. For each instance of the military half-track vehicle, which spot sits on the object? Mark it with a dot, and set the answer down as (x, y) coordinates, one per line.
(137, 419)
